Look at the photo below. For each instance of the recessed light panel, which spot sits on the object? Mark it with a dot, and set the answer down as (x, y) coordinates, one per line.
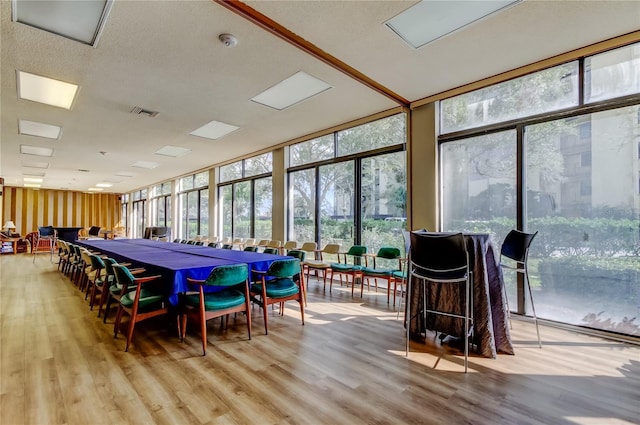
(46, 90)
(34, 164)
(214, 130)
(125, 174)
(104, 185)
(35, 150)
(172, 151)
(78, 20)
(34, 174)
(31, 185)
(430, 20)
(32, 179)
(145, 164)
(95, 189)
(32, 128)
(295, 89)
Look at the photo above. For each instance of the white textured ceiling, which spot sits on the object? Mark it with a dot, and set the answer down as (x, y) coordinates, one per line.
(165, 56)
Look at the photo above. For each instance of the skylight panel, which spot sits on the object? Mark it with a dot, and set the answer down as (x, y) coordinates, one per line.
(214, 130)
(46, 90)
(38, 129)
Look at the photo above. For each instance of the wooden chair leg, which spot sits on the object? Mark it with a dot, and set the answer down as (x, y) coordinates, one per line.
(116, 325)
(132, 324)
(203, 331)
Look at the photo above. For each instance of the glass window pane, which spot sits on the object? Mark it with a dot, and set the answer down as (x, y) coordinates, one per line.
(166, 188)
(544, 91)
(302, 223)
(583, 264)
(231, 171)
(192, 215)
(201, 179)
(160, 213)
(226, 210)
(156, 190)
(377, 134)
(168, 211)
(136, 195)
(337, 204)
(383, 204)
(143, 194)
(263, 208)
(185, 183)
(204, 212)
(242, 210)
(612, 74)
(479, 184)
(311, 151)
(260, 164)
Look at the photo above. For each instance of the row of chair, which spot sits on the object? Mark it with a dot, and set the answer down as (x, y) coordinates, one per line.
(229, 290)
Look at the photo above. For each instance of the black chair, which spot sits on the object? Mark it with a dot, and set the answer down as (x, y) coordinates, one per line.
(441, 258)
(516, 247)
(94, 232)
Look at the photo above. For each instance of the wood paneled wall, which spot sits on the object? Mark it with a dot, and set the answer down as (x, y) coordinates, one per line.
(30, 208)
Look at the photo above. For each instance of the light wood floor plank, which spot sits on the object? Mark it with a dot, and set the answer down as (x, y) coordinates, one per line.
(61, 365)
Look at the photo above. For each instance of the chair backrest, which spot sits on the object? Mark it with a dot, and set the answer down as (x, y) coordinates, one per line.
(296, 253)
(250, 242)
(226, 239)
(263, 242)
(284, 268)
(331, 248)
(389, 252)
(94, 231)
(439, 253)
(270, 251)
(96, 262)
(309, 247)
(46, 231)
(516, 245)
(356, 252)
(123, 275)
(108, 266)
(227, 246)
(251, 248)
(290, 245)
(228, 275)
(274, 244)
(176, 240)
(212, 245)
(199, 243)
(237, 241)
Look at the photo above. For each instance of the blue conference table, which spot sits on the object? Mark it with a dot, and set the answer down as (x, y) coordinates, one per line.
(177, 262)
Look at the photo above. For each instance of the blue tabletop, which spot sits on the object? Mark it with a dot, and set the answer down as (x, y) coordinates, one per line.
(177, 262)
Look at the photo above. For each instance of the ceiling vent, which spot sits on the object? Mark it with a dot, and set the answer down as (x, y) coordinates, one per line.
(141, 111)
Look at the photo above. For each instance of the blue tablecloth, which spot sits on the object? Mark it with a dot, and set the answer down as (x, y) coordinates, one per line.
(177, 262)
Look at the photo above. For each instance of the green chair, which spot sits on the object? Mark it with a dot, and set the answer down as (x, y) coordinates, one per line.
(142, 298)
(115, 289)
(232, 296)
(278, 285)
(387, 254)
(96, 280)
(273, 251)
(350, 264)
(251, 248)
(299, 254)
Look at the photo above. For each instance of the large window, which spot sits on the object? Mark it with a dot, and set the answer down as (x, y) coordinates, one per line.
(161, 205)
(359, 199)
(138, 206)
(245, 199)
(565, 167)
(193, 204)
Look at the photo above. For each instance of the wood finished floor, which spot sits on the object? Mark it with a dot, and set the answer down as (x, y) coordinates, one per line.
(61, 365)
